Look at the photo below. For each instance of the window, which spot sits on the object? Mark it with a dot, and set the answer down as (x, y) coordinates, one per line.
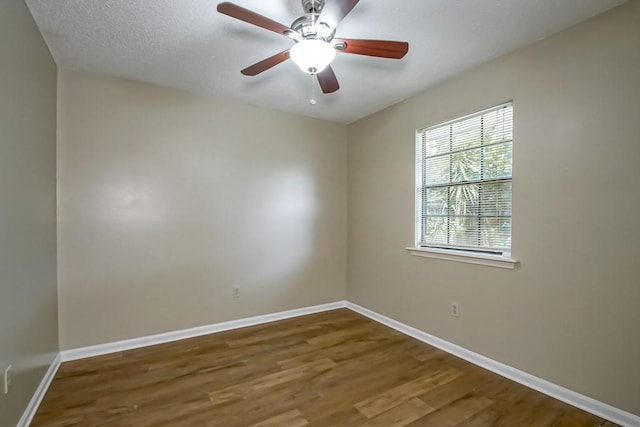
(463, 184)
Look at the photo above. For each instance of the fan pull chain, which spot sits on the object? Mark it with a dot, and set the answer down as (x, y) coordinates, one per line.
(312, 100)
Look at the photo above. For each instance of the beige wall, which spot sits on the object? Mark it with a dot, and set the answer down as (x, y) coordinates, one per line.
(28, 302)
(569, 313)
(168, 200)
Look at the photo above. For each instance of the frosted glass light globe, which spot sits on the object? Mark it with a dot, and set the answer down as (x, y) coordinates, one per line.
(312, 56)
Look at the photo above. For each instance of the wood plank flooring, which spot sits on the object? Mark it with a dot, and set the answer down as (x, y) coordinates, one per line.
(329, 369)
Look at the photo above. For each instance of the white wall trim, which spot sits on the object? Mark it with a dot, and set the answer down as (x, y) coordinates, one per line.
(114, 347)
(35, 401)
(501, 261)
(586, 403)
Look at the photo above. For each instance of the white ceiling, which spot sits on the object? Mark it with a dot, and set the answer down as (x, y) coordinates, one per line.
(186, 44)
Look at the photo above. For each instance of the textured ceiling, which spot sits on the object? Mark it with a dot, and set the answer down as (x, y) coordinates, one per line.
(186, 44)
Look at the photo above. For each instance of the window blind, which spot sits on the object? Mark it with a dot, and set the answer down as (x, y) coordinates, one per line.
(464, 182)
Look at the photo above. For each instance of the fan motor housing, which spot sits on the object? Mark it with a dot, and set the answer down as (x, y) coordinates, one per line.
(309, 28)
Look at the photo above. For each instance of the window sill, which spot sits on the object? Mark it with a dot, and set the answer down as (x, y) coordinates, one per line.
(499, 261)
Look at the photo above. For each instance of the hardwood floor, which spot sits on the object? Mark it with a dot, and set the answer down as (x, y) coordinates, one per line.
(330, 369)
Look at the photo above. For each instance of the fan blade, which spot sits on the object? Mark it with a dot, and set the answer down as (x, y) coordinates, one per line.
(379, 48)
(265, 64)
(328, 81)
(334, 11)
(251, 17)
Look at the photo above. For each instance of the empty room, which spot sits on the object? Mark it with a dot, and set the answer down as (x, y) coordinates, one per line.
(320, 213)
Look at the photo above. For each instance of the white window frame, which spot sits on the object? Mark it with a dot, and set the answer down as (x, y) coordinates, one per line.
(494, 258)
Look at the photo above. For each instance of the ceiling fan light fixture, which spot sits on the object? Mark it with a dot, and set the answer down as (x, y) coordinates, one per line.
(312, 56)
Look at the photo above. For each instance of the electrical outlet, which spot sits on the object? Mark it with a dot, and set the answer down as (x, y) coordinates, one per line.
(236, 292)
(455, 309)
(7, 379)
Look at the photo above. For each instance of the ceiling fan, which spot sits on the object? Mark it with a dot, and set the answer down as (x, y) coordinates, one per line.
(315, 46)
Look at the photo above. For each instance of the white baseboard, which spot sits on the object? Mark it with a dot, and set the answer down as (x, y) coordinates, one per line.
(114, 347)
(586, 403)
(33, 405)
